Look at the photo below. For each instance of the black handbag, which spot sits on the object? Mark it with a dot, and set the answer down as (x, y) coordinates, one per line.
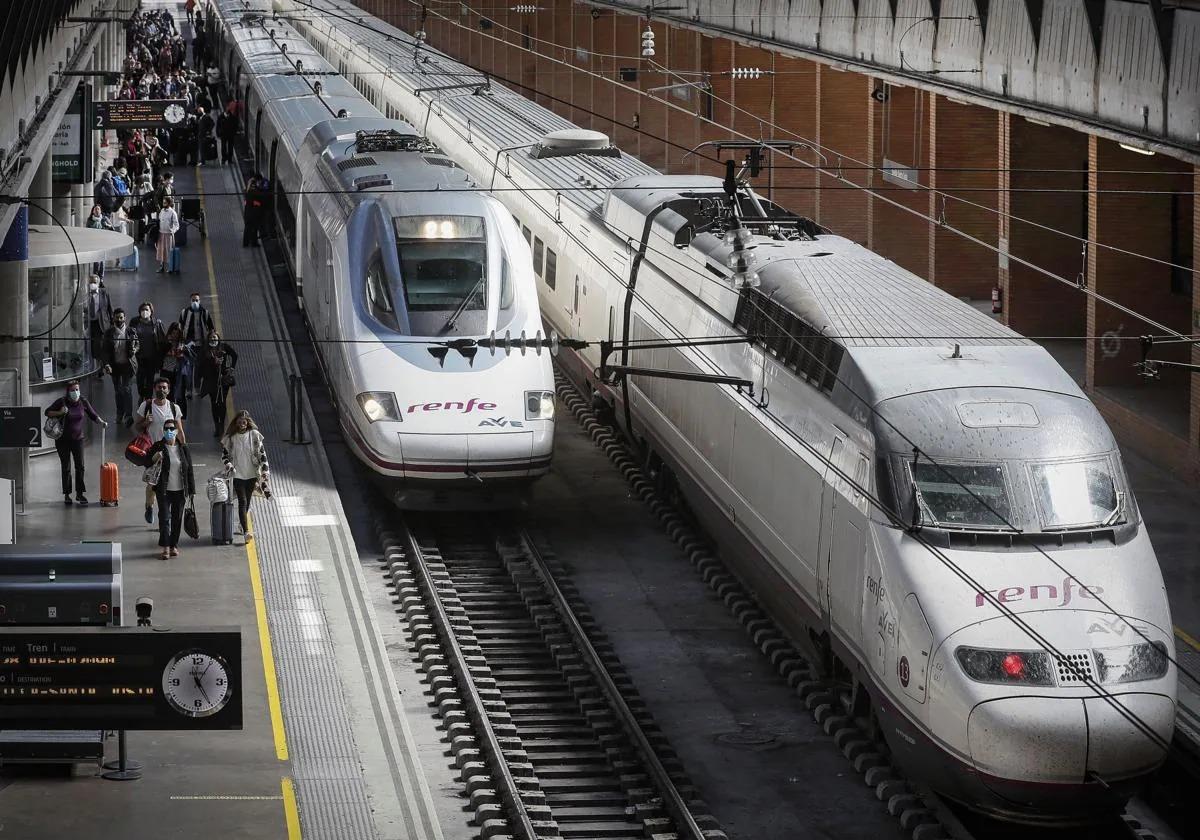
(190, 526)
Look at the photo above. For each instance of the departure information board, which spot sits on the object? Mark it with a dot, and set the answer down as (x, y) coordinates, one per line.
(138, 113)
(120, 678)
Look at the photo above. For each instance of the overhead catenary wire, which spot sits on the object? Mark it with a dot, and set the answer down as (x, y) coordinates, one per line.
(820, 148)
(825, 170)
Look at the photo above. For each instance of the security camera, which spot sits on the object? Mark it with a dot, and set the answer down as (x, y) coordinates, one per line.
(144, 607)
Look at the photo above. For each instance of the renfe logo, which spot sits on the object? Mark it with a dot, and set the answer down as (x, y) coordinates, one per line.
(473, 404)
(1018, 593)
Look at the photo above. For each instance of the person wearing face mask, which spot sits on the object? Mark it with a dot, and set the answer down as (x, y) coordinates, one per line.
(176, 483)
(195, 320)
(73, 410)
(99, 313)
(177, 366)
(152, 417)
(120, 362)
(216, 365)
(152, 341)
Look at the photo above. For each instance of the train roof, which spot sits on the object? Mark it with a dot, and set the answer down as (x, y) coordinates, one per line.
(399, 160)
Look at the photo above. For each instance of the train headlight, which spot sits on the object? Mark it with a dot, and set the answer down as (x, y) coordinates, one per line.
(539, 405)
(1132, 663)
(1027, 667)
(379, 405)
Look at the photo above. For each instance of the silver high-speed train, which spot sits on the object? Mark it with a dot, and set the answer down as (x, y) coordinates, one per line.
(399, 264)
(1032, 686)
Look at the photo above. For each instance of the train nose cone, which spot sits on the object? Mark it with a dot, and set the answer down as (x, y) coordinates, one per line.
(1035, 739)
(1071, 754)
(1120, 743)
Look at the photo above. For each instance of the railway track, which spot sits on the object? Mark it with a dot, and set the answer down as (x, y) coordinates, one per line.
(548, 734)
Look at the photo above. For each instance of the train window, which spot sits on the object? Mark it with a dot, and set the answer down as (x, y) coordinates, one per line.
(789, 338)
(506, 288)
(961, 496)
(538, 253)
(1075, 494)
(379, 297)
(443, 270)
(526, 233)
(551, 268)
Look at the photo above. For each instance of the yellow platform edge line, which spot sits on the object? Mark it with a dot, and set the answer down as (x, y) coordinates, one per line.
(290, 812)
(260, 603)
(1188, 639)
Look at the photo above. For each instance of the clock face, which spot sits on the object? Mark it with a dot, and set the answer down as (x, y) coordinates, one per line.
(174, 114)
(196, 683)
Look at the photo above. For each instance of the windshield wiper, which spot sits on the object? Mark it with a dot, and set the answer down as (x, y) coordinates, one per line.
(449, 325)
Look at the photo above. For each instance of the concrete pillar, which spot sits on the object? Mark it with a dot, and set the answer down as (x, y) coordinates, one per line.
(41, 191)
(63, 206)
(82, 200)
(14, 320)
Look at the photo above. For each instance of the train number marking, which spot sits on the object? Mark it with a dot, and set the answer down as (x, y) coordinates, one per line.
(904, 671)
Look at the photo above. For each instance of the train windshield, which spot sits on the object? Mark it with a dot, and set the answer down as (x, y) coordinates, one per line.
(964, 496)
(443, 263)
(1075, 494)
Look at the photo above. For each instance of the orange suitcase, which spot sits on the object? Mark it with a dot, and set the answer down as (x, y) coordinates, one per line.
(110, 479)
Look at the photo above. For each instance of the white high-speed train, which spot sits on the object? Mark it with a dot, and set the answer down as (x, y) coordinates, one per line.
(400, 265)
(1056, 720)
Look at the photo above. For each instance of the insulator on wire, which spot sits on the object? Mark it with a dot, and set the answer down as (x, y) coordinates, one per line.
(525, 8)
(746, 72)
(648, 43)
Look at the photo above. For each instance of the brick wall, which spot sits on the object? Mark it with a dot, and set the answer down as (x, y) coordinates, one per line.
(1036, 304)
(901, 137)
(796, 112)
(963, 138)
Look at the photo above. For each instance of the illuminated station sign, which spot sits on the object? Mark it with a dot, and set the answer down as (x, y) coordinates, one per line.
(120, 678)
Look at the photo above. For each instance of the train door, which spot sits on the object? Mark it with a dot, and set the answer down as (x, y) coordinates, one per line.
(840, 552)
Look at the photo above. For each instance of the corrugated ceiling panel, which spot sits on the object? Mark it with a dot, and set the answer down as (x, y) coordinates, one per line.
(1010, 53)
(837, 27)
(1131, 68)
(1066, 64)
(1183, 88)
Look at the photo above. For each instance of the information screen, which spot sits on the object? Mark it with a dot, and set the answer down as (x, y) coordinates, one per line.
(120, 678)
(138, 113)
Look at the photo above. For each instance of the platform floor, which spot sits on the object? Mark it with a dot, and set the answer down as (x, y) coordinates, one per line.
(326, 750)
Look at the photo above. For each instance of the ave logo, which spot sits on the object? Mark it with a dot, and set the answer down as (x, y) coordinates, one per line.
(501, 421)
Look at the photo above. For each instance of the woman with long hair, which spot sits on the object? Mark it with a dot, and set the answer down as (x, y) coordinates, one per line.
(168, 226)
(244, 451)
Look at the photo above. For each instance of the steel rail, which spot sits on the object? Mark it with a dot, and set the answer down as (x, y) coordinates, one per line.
(672, 799)
(519, 818)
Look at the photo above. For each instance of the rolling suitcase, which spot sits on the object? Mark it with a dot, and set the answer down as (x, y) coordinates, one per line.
(176, 263)
(221, 515)
(110, 479)
(131, 262)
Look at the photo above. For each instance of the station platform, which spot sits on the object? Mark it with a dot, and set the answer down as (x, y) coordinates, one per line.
(326, 750)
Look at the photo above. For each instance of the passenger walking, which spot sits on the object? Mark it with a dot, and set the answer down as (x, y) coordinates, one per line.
(195, 320)
(244, 451)
(99, 313)
(217, 361)
(176, 484)
(152, 344)
(72, 410)
(120, 362)
(168, 226)
(189, 9)
(227, 129)
(152, 416)
(177, 366)
(212, 78)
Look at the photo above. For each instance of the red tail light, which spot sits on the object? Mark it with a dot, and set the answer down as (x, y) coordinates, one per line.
(1014, 665)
